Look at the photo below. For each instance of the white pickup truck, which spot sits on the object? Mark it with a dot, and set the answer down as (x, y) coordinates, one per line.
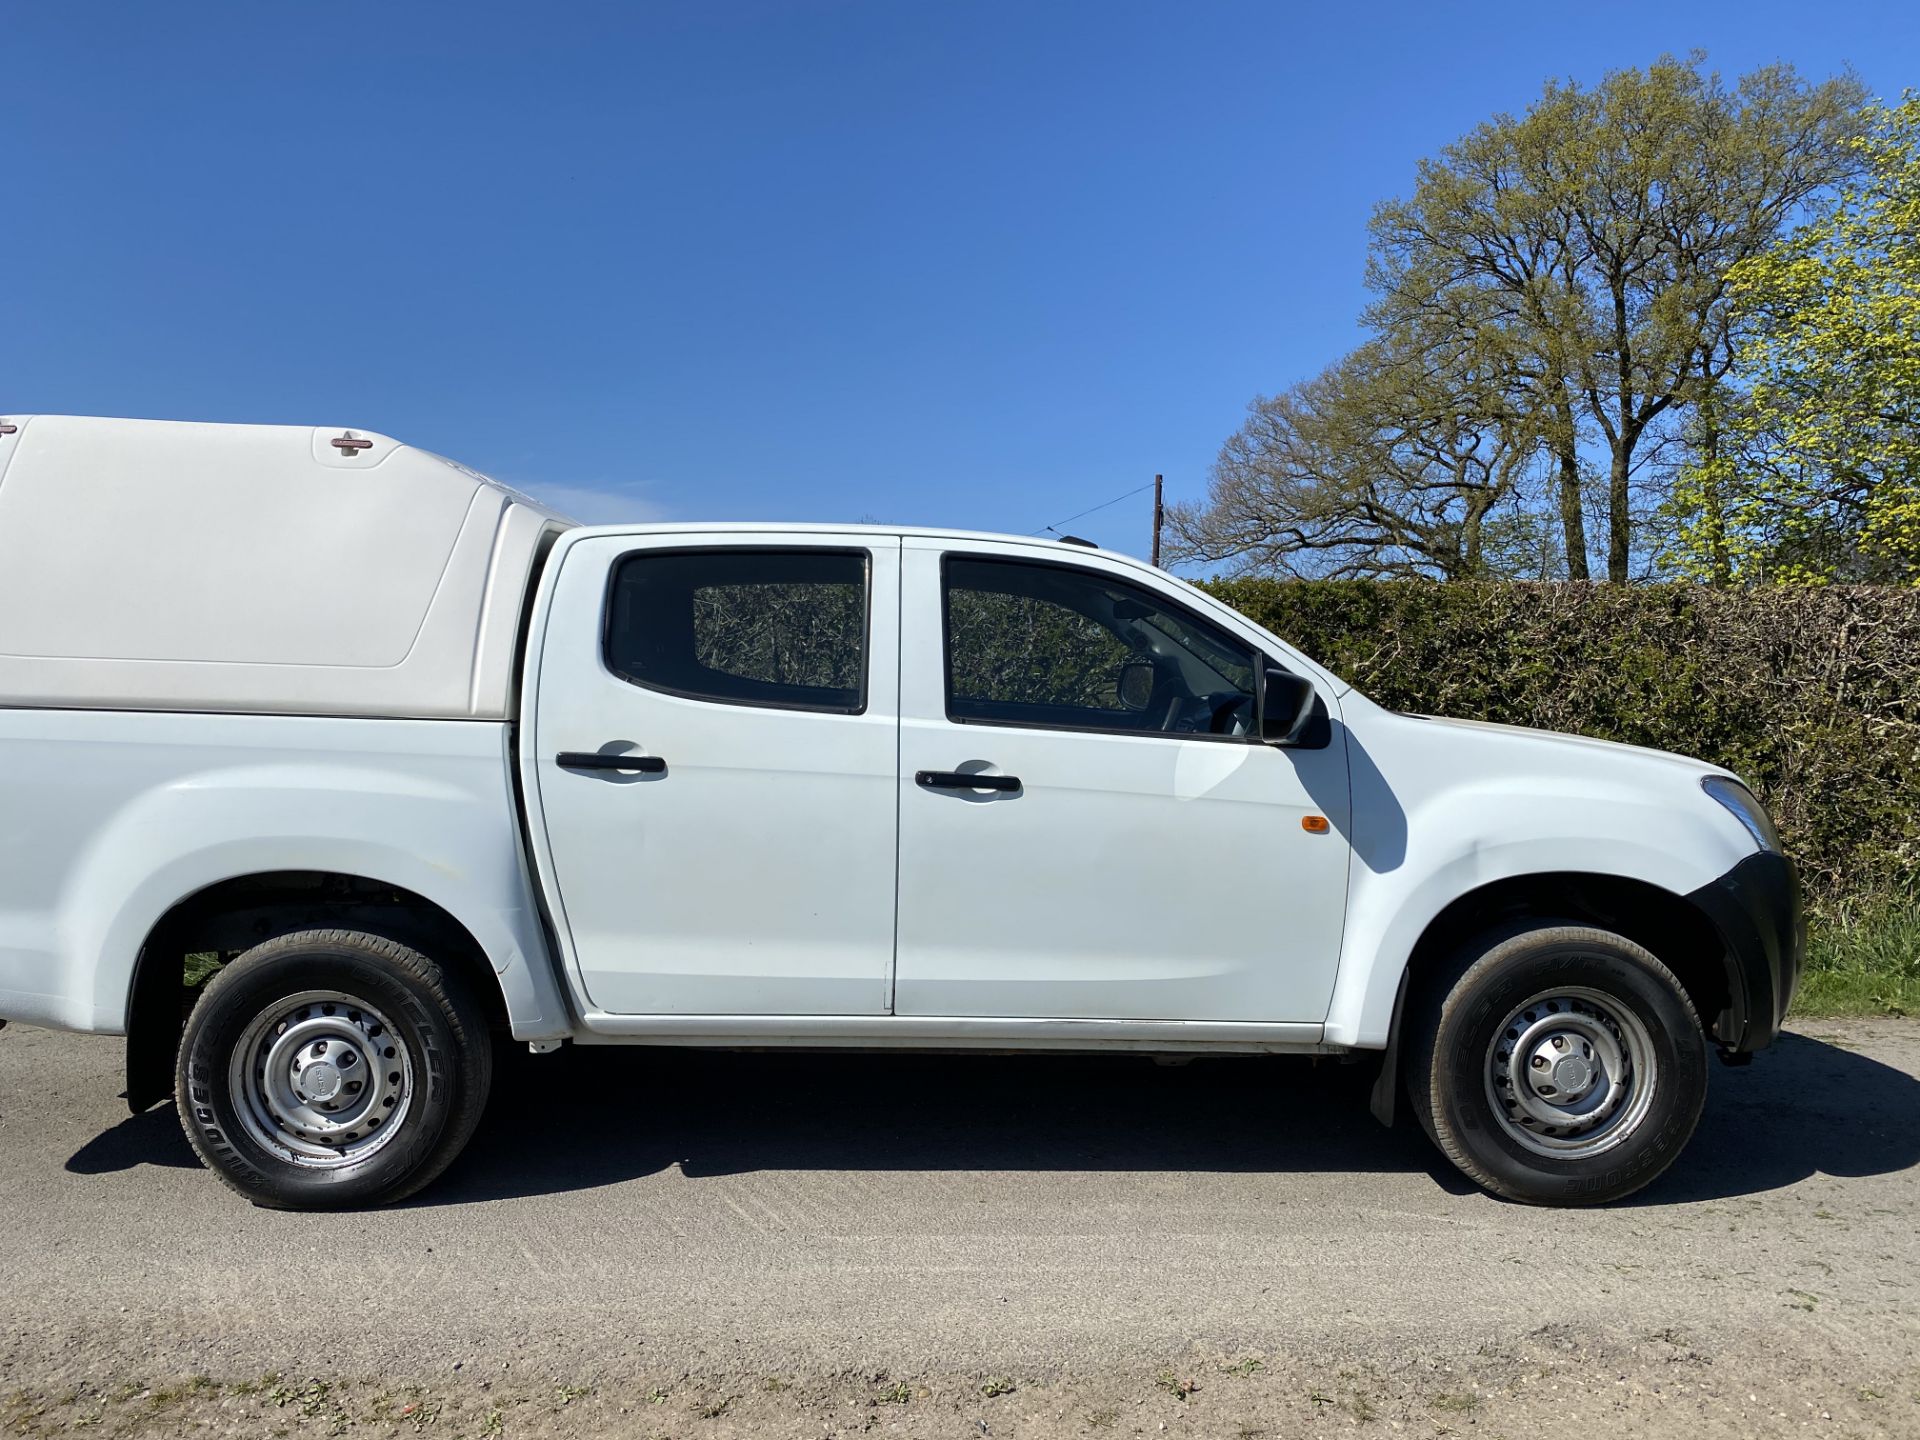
(410, 765)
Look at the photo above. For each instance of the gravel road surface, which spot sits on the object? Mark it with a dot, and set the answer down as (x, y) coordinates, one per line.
(828, 1244)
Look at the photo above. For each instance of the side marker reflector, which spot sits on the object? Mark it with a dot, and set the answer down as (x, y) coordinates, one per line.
(1314, 824)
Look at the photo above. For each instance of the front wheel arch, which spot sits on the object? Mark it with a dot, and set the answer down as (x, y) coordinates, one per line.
(1668, 925)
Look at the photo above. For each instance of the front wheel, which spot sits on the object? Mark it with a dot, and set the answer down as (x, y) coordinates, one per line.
(330, 1068)
(1564, 1066)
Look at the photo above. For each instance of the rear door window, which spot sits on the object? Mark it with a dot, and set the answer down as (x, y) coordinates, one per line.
(786, 629)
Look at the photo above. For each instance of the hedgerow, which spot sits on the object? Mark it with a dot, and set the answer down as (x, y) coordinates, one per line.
(1811, 695)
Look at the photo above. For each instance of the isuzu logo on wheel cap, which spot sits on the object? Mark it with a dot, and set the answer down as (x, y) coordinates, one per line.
(320, 1080)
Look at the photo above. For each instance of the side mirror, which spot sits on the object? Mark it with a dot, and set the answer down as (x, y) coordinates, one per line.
(1286, 704)
(1135, 685)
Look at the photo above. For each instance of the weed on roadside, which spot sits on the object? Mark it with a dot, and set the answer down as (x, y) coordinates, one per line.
(422, 1412)
(1181, 1389)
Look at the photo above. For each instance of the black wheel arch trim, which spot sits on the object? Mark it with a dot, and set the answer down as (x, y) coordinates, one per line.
(1754, 910)
(236, 914)
(1755, 907)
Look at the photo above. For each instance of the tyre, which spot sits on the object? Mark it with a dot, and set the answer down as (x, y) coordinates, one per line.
(1563, 1066)
(329, 1069)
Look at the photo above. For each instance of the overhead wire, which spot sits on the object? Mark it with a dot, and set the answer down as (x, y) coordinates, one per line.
(1055, 527)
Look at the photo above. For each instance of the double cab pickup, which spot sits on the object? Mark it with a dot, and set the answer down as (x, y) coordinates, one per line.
(328, 766)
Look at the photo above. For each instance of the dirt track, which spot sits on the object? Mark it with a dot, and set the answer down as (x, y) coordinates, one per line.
(718, 1245)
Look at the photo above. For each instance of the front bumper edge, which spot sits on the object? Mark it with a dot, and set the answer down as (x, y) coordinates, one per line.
(1756, 908)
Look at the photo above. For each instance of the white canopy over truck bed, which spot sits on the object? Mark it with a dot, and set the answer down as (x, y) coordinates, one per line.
(155, 565)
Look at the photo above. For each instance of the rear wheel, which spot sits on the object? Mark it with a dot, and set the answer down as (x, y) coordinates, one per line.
(331, 1068)
(1563, 1066)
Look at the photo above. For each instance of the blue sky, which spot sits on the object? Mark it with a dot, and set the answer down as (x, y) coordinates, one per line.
(957, 264)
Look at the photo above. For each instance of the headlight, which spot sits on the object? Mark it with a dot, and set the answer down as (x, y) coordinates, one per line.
(1747, 810)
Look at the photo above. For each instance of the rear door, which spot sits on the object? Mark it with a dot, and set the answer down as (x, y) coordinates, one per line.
(713, 748)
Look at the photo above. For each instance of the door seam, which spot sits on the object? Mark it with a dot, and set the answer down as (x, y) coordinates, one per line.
(899, 749)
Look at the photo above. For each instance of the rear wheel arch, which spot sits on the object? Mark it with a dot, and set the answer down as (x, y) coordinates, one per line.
(233, 915)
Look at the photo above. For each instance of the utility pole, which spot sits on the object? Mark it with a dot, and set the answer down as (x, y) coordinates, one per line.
(1159, 518)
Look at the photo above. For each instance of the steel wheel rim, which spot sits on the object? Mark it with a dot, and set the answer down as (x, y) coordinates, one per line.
(321, 1079)
(1571, 1073)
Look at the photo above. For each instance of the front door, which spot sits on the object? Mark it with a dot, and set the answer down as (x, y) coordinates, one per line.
(712, 761)
(1088, 826)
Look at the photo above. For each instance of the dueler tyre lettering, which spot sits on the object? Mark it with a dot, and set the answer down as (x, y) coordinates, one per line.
(332, 1068)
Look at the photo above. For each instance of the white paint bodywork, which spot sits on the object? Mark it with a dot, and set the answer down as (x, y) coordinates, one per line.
(756, 876)
(1073, 898)
(785, 882)
(1443, 807)
(256, 569)
(1423, 811)
(108, 819)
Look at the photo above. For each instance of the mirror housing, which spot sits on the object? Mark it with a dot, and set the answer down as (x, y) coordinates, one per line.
(1286, 704)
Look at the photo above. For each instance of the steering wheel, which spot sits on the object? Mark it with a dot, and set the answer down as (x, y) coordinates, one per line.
(1229, 712)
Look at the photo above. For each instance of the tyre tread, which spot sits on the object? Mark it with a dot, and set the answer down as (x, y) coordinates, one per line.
(472, 1054)
(1470, 964)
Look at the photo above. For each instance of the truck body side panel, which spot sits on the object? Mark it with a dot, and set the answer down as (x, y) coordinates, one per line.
(113, 818)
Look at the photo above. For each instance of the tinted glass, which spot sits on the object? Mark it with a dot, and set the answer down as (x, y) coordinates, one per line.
(1051, 645)
(783, 628)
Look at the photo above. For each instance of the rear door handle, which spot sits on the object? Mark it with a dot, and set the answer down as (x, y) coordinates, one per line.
(954, 780)
(591, 760)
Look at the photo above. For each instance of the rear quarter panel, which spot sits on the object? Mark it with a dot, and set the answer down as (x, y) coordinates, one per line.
(109, 819)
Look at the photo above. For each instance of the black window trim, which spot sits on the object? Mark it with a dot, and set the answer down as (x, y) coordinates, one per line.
(946, 651)
(866, 632)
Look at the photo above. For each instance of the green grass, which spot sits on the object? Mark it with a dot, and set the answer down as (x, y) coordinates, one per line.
(199, 968)
(1864, 961)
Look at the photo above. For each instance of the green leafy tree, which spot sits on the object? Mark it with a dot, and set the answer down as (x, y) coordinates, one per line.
(1589, 241)
(1816, 477)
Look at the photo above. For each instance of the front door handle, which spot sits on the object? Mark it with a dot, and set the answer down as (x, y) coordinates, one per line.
(592, 760)
(955, 780)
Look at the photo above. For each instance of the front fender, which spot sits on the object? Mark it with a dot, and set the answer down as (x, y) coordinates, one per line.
(1439, 812)
(1385, 922)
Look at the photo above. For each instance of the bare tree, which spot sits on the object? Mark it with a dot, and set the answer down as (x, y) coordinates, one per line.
(1394, 462)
